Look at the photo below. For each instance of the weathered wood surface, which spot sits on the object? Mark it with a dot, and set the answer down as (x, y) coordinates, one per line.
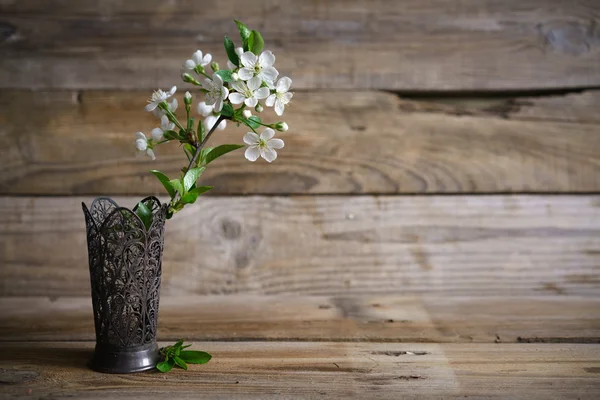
(328, 245)
(387, 44)
(366, 142)
(316, 370)
(422, 319)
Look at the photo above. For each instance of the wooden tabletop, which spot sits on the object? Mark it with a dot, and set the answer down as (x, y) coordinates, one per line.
(386, 347)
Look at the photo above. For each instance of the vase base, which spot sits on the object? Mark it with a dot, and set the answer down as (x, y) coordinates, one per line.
(125, 361)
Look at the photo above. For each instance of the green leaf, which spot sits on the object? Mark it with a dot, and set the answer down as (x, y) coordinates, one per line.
(145, 214)
(227, 110)
(225, 74)
(166, 365)
(195, 357)
(170, 135)
(244, 34)
(176, 183)
(180, 362)
(201, 130)
(255, 42)
(189, 151)
(221, 150)
(190, 124)
(186, 346)
(191, 196)
(231, 54)
(203, 154)
(165, 182)
(191, 177)
(178, 344)
(253, 122)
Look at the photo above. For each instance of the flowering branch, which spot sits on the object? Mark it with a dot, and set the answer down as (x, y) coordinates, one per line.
(250, 78)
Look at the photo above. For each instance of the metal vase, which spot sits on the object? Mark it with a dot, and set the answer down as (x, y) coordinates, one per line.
(125, 271)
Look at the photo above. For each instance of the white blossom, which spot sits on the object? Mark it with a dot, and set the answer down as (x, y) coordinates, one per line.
(216, 92)
(282, 96)
(172, 106)
(281, 126)
(263, 145)
(261, 66)
(158, 97)
(141, 144)
(211, 120)
(197, 60)
(248, 93)
(165, 125)
(204, 109)
(247, 113)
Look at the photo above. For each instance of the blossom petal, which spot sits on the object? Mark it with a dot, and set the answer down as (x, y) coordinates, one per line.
(270, 100)
(218, 81)
(269, 73)
(173, 105)
(197, 57)
(141, 144)
(189, 64)
(150, 106)
(286, 97)
(156, 134)
(206, 60)
(276, 143)
(267, 134)
(251, 138)
(268, 154)
(164, 123)
(140, 135)
(252, 153)
(219, 104)
(283, 85)
(208, 84)
(262, 93)
(279, 107)
(204, 109)
(239, 51)
(151, 154)
(245, 73)
(248, 59)
(251, 102)
(236, 98)
(266, 59)
(254, 83)
(222, 125)
(239, 86)
(210, 121)
(224, 92)
(172, 91)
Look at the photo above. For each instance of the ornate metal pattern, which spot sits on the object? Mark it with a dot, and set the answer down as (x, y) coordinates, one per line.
(125, 272)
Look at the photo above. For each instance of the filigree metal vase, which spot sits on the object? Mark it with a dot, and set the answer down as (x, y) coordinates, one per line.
(125, 272)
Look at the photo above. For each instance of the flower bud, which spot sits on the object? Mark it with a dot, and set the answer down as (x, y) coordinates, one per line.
(247, 113)
(189, 79)
(187, 98)
(259, 108)
(235, 76)
(214, 66)
(281, 126)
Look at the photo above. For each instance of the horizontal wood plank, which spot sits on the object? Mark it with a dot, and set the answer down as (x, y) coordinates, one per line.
(377, 318)
(245, 370)
(363, 142)
(384, 44)
(328, 245)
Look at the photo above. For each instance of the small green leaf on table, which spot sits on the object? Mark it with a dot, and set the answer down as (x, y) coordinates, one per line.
(180, 362)
(195, 357)
(166, 366)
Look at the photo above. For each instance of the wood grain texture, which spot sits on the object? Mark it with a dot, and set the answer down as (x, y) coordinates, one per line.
(328, 245)
(378, 318)
(364, 142)
(318, 370)
(385, 44)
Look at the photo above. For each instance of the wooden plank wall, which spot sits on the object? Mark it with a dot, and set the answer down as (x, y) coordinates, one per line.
(457, 144)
